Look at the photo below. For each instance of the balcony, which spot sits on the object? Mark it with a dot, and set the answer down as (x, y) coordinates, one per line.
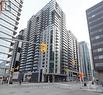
(14, 33)
(15, 28)
(17, 18)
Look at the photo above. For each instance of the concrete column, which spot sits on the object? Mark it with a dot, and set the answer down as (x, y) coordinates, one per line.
(48, 79)
(53, 77)
(42, 77)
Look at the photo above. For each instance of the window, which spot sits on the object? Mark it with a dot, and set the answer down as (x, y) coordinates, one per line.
(19, 10)
(97, 37)
(18, 14)
(93, 15)
(15, 28)
(51, 39)
(98, 57)
(52, 14)
(100, 30)
(21, 1)
(56, 5)
(100, 49)
(20, 6)
(17, 18)
(101, 57)
(37, 19)
(19, 49)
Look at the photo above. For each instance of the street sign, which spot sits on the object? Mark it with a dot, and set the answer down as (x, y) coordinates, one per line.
(43, 47)
(15, 75)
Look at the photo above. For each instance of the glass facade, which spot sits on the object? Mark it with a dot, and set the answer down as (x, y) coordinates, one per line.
(85, 63)
(9, 16)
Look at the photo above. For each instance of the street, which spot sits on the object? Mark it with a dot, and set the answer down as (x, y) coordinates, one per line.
(44, 89)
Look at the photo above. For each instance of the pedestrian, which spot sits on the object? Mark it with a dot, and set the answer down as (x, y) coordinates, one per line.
(2, 80)
(20, 81)
(20, 77)
(92, 82)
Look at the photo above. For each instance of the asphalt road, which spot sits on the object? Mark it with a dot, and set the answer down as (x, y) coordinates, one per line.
(44, 89)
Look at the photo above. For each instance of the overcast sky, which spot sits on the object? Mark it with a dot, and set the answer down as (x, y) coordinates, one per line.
(73, 9)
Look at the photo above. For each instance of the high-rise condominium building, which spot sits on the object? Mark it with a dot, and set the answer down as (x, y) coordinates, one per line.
(10, 11)
(95, 26)
(85, 63)
(73, 57)
(47, 26)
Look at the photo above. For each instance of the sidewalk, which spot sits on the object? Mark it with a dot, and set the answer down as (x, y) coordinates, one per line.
(93, 87)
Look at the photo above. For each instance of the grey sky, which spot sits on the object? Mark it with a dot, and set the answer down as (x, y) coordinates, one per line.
(73, 9)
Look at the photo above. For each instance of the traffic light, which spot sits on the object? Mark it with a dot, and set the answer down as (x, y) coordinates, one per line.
(43, 47)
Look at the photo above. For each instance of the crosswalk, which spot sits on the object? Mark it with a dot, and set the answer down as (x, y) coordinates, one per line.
(45, 86)
(42, 89)
(34, 86)
(40, 85)
(52, 85)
